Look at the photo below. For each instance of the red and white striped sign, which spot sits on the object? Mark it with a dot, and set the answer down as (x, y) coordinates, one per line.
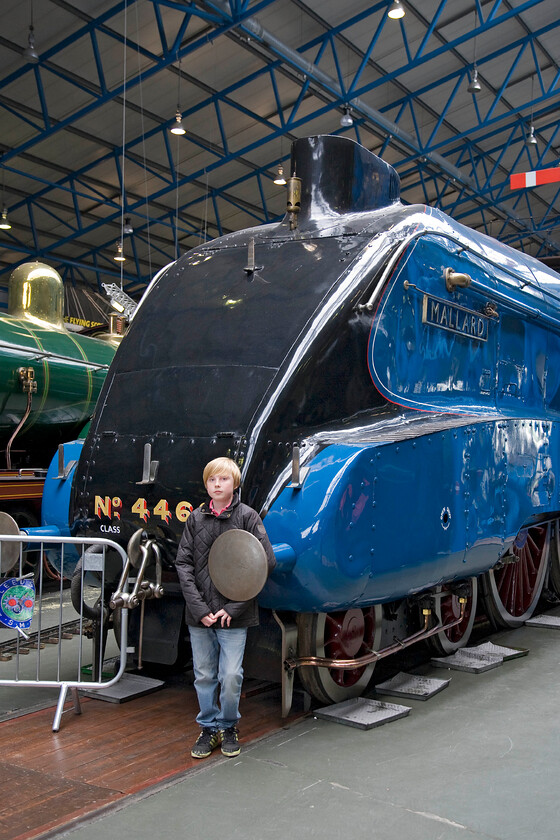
(534, 179)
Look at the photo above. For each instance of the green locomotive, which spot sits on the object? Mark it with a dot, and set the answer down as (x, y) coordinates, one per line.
(50, 379)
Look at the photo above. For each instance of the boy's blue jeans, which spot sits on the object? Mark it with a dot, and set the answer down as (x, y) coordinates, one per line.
(218, 664)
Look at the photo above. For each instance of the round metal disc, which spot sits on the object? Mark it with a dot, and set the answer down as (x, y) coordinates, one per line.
(10, 550)
(237, 565)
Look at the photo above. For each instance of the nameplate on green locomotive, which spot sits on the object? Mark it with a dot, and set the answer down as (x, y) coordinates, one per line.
(457, 319)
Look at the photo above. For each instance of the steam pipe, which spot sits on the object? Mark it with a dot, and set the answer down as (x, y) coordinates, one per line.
(373, 656)
(17, 430)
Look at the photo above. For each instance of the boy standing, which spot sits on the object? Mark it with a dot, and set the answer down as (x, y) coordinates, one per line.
(217, 627)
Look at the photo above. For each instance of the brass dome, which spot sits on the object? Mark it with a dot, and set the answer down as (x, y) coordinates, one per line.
(36, 292)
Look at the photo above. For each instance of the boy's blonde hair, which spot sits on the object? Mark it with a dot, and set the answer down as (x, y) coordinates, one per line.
(222, 466)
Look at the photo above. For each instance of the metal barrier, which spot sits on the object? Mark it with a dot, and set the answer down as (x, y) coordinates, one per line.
(56, 619)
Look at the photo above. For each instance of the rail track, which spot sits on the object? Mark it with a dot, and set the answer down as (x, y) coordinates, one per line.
(46, 636)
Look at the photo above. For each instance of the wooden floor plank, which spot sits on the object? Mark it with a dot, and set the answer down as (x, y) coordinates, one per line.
(109, 752)
(32, 801)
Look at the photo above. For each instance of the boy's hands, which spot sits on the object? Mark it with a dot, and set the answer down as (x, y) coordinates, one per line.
(223, 616)
(212, 618)
(208, 620)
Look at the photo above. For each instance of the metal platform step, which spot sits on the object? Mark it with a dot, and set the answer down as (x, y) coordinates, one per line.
(506, 653)
(412, 686)
(362, 713)
(550, 621)
(127, 688)
(469, 659)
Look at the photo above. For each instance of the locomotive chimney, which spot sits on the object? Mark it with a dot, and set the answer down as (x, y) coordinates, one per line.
(338, 176)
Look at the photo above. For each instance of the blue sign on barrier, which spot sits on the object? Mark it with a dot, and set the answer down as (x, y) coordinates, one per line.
(17, 600)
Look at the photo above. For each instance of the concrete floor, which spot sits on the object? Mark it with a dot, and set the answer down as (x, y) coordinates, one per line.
(479, 760)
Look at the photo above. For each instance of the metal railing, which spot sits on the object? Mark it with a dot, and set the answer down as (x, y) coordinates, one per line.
(60, 616)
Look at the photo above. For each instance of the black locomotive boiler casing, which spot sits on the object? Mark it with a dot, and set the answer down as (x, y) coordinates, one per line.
(405, 362)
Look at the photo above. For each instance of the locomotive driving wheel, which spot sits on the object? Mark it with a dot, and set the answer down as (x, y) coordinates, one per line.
(554, 580)
(512, 592)
(447, 609)
(346, 634)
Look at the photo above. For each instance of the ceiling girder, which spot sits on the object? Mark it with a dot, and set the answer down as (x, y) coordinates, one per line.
(441, 162)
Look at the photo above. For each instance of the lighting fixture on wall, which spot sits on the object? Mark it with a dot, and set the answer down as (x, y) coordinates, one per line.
(346, 119)
(4, 223)
(280, 179)
(396, 10)
(119, 256)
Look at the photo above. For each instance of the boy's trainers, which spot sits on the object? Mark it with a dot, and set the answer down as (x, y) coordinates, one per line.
(207, 741)
(230, 742)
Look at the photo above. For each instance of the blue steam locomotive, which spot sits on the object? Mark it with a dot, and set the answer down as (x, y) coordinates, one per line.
(387, 379)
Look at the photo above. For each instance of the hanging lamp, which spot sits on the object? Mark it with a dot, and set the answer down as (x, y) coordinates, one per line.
(474, 84)
(280, 179)
(396, 10)
(30, 53)
(4, 223)
(346, 119)
(530, 138)
(178, 127)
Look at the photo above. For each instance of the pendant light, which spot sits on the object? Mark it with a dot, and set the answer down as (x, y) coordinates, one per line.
(346, 119)
(280, 179)
(474, 84)
(4, 223)
(530, 138)
(30, 53)
(177, 127)
(396, 10)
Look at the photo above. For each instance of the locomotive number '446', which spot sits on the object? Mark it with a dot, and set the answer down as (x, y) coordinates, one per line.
(107, 506)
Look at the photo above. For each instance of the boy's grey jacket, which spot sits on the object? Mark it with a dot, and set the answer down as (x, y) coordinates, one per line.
(201, 529)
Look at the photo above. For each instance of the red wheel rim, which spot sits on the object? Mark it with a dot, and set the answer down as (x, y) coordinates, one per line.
(517, 582)
(451, 610)
(349, 634)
